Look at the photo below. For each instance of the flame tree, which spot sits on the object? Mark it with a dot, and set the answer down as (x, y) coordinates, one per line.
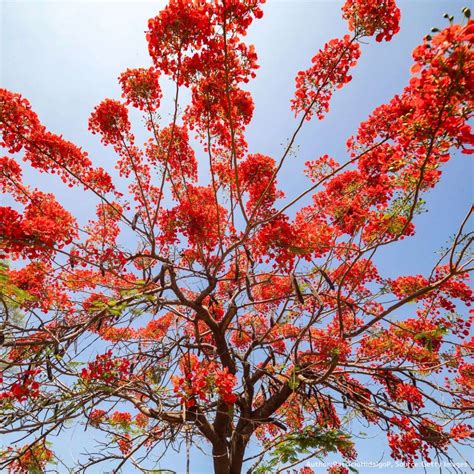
(237, 315)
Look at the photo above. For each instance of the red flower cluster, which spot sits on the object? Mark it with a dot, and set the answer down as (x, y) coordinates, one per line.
(125, 444)
(413, 442)
(327, 416)
(200, 379)
(251, 327)
(409, 393)
(173, 152)
(199, 45)
(373, 17)
(97, 416)
(417, 340)
(32, 458)
(315, 86)
(43, 227)
(465, 378)
(11, 179)
(445, 295)
(156, 329)
(18, 122)
(401, 391)
(107, 369)
(180, 26)
(257, 177)
(20, 129)
(399, 149)
(338, 469)
(325, 346)
(274, 241)
(183, 32)
(141, 420)
(26, 387)
(140, 87)
(120, 418)
(193, 383)
(321, 168)
(461, 431)
(110, 120)
(198, 217)
(308, 236)
(225, 383)
(115, 334)
(45, 292)
(432, 109)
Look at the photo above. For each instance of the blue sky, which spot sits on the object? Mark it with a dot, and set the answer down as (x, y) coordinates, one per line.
(65, 58)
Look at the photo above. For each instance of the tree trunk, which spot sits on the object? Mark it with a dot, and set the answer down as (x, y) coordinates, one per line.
(221, 459)
(239, 444)
(225, 463)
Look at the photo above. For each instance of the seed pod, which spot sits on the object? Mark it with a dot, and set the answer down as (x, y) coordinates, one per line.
(326, 277)
(247, 287)
(156, 376)
(413, 379)
(249, 255)
(49, 371)
(344, 402)
(237, 271)
(162, 276)
(278, 423)
(272, 354)
(27, 373)
(135, 220)
(296, 287)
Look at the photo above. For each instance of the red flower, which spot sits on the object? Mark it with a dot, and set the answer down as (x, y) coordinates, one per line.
(110, 120)
(329, 71)
(373, 17)
(140, 88)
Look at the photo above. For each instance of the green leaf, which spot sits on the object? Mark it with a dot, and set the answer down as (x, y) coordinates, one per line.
(311, 438)
(294, 382)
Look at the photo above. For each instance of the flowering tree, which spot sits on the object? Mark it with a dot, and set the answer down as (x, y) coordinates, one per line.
(236, 315)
